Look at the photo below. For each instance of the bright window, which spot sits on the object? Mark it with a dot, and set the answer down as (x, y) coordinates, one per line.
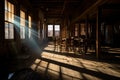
(22, 24)
(82, 29)
(76, 29)
(57, 30)
(9, 20)
(29, 25)
(50, 30)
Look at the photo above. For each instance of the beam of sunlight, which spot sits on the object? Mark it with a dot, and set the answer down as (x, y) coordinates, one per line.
(10, 75)
(30, 42)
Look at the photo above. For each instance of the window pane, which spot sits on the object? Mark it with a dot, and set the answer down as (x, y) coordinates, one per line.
(76, 29)
(6, 30)
(6, 7)
(30, 32)
(29, 25)
(22, 24)
(57, 30)
(11, 31)
(57, 27)
(12, 8)
(22, 32)
(50, 30)
(29, 21)
(82, 29)
(50, 27)
(6, 15)
(9, 16)
(9, 20)
(76, 34)
(12, 19)
(9, 6)
(22, 19)
(22, 14)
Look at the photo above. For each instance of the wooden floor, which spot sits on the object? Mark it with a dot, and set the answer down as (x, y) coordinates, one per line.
(52, 64)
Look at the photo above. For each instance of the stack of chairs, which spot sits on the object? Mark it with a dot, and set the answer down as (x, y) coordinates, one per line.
(80, 44)
(62, 43)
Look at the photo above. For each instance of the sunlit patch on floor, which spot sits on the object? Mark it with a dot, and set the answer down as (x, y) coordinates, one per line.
(58, 66)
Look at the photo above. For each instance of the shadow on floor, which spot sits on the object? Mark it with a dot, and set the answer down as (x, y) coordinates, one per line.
(104, 56)
(100, 75)
(29, 74)
(12, 63)
(22, 72)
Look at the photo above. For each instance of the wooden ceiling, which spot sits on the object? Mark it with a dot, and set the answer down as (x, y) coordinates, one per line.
(74, 9)
(57, 8)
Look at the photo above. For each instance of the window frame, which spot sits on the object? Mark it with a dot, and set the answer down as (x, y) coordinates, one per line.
(56, 30)
(51, 30)
(9, 17)
(22, 25)
(29, 26)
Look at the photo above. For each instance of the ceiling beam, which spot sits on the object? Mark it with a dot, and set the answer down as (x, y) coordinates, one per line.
(92, 8)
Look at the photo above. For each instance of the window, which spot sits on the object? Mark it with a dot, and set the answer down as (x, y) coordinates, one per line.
(9, 20)
(50, 30)
(22, 24)
(76, 29)
(57, 30)
(29, 25)
(82, 32)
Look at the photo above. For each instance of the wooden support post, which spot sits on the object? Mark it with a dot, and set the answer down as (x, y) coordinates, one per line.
(87, 35)
(67, 32)
(41, 30)
(61, 29)
(98, 36)
(2, 21)
(54, 29)
(54, 38)
(79, 30)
